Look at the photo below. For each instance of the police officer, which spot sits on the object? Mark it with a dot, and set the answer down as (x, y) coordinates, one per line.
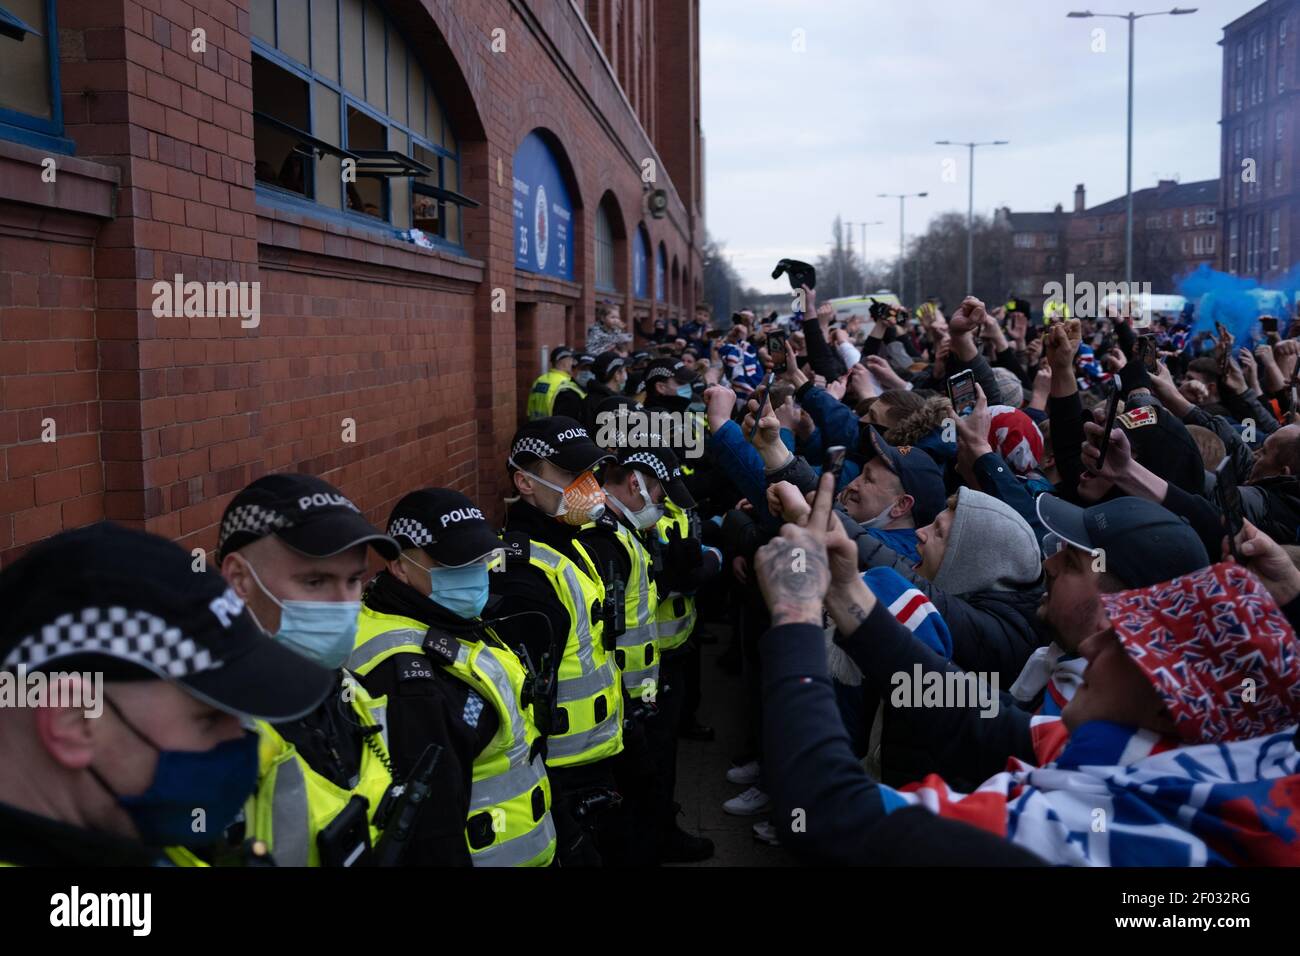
(636, 487)
(555, 608)
(450, 680)
(294, 549)
(549, 386)
(646, 490)
(108, 770)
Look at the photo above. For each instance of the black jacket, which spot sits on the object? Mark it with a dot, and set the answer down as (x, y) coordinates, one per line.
(812, 773)
(28, 839)
(431, 705)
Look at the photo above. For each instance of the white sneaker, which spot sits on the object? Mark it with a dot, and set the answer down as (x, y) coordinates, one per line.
(746, 775)
(764, 832)
(747, 804)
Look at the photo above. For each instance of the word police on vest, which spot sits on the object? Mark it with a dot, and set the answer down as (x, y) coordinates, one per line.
(103, 909)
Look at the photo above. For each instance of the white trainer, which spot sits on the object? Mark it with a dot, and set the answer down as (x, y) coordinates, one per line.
(745, 775)
(752, 801)
(765, 832)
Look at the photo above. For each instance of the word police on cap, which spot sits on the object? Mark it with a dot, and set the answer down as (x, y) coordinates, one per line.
(571, 433)
(462, 514)
(322, 500)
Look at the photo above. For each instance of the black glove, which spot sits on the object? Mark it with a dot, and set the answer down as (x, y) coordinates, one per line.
(683, 554)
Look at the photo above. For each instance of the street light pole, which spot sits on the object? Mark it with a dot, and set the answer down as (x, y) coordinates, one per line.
(901, 250)
(970, 206)
(1132, 18)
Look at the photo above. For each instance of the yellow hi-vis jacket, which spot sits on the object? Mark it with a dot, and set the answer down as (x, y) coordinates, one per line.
(509, 784)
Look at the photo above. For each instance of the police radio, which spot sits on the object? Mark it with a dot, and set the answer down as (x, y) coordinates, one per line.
(614, 614)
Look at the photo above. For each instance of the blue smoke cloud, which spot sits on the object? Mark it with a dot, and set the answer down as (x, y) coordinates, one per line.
(1237, 302)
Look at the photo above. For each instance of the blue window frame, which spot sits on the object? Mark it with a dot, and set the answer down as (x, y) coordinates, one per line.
(661, 273)
(641, 263)
(31, 101)
(333, 80)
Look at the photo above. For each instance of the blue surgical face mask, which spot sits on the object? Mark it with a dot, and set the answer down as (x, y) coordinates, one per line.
(585, 377)
(216, 781)
(463, 591)
(685, 391)
(324, 632)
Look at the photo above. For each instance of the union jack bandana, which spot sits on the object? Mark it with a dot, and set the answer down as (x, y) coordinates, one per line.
(1217, 649)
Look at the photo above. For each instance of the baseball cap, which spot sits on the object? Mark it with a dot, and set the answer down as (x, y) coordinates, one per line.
(557, 439)
(561, 352)
(305, 512)
(445, 524)
(663, 464)
(920, 475)
(130, 605)
(1163, 444)
(1199, 638)
(606, 364)
(1144, 543)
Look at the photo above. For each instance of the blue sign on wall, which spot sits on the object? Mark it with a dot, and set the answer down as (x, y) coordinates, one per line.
(543, 212)
(641, 264)
(661, 273)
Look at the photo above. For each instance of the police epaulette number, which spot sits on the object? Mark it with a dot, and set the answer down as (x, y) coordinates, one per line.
(516, 546)
(442, 648)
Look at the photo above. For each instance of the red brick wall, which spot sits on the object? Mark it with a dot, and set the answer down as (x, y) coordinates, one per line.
(47, 372)
(161, 419)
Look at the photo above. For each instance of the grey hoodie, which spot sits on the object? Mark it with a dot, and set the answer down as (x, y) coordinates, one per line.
(990, 548)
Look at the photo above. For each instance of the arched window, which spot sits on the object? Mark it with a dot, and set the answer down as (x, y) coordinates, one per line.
(345, 117)
(604, 251)
(661, 273)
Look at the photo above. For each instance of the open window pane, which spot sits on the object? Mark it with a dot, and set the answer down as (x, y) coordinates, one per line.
(291, 30)
(366, 195)
(325, 38)
(25, 66)
(376, 64)
(282, 96)
(353, 34)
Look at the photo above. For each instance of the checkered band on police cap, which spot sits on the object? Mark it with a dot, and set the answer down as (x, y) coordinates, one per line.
(411, 530)
(655, 464)
(254, 519)
(135, 636)
(532, 446)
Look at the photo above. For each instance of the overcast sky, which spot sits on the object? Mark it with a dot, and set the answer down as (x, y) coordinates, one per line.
(793, 138)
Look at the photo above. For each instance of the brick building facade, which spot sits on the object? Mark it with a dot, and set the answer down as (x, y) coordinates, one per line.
(1175, 231)
(376, 363)
(1260, 141)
